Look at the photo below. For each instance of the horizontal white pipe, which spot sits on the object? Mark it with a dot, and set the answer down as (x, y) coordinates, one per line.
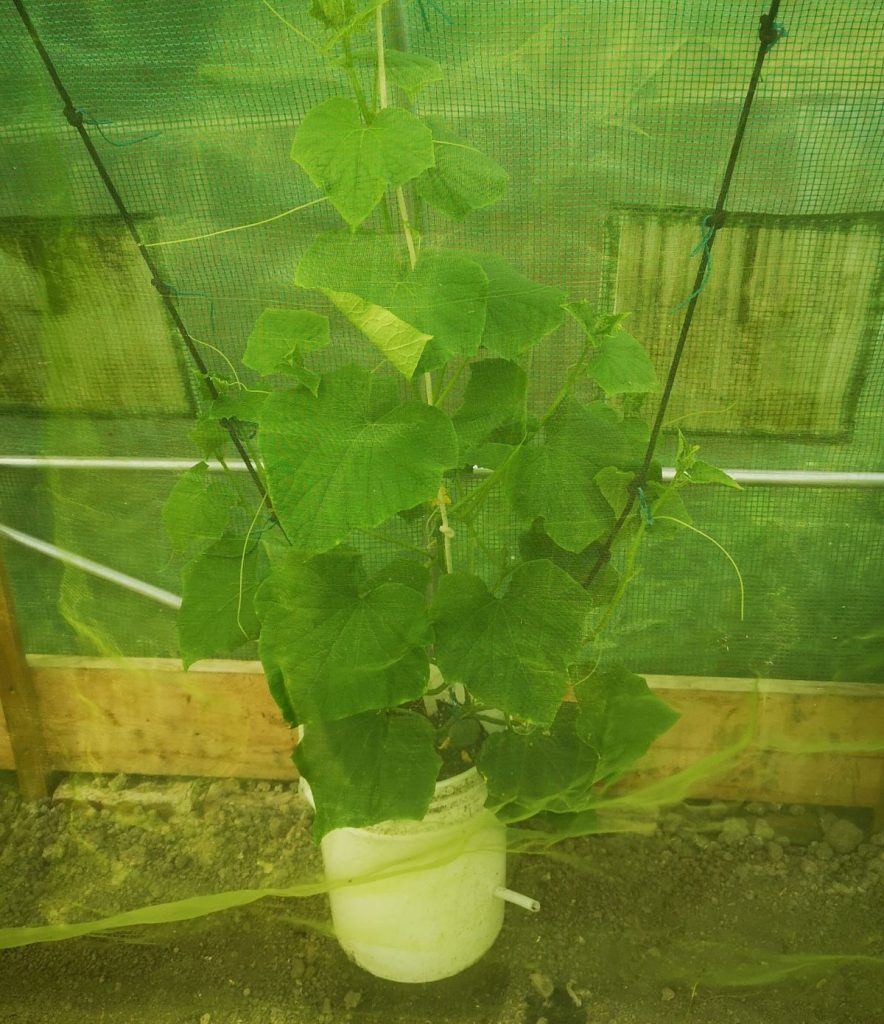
(70, 462)
(796, 478)
(93, 568)
(757, 477)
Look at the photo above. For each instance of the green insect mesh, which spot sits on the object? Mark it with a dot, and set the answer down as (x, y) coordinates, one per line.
(615, 123)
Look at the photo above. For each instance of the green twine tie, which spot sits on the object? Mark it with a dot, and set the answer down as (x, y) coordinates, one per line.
(705, 243)
(99, 126)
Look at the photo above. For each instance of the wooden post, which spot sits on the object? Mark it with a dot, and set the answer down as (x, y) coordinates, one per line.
(21, 707)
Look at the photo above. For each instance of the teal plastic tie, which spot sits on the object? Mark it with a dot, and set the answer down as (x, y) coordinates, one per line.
(644, 508)
(439, 10)
(100, 125)
(705, 243)
(782, 33)
(164, 288)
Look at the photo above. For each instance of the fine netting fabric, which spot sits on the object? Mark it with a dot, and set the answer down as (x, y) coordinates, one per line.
(615, 122)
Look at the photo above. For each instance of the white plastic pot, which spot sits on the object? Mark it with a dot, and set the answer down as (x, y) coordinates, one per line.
(416, 901)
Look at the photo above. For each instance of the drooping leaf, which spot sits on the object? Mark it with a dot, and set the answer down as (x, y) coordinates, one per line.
(520, 311)
(399, 309)
(529, 773)
(411, 72)
(354, 163)
(493, 408)
(342, 648)
(197, 510)
(621, 366)
(536, 543)
(512, 651)
(217, 613)
(333, 465)
(620, 717)
(555, 480)
(281, 337)
(399, 341)
(462, 179)
(367, 769)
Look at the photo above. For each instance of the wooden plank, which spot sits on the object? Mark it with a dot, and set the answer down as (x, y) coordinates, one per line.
(820, 743)
(147, 716)
(24, 746)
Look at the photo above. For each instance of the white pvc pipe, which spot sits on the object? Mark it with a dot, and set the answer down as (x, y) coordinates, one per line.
(796, 478)
(73, 462)
(756, 477)
(93, 568)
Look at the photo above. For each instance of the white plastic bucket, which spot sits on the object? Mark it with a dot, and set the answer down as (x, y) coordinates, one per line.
(414, 901)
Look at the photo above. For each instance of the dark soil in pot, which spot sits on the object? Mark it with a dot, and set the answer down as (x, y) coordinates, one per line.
(722, 915)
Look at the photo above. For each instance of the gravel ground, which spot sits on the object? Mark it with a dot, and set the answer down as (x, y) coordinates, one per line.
(737, 914)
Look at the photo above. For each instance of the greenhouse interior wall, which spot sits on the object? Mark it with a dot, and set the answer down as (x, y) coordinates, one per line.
(712, 169)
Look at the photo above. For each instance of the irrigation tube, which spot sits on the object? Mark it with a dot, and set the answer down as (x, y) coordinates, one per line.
(747, 477)
(93, 568)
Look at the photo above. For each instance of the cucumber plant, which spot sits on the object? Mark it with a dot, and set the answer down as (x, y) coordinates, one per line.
(409, 611)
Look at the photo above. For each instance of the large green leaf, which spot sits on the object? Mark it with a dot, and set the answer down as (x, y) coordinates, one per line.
(342, 647)
(555, 480)
(445, 295)
(528, 773)
(493, 408)
(620, 717)
(217, 613)
(335, 464)
(462, 179)
(520, 311)
(281, 337)
(365, 263)
(621, 366)
(511, 652)
(353, 163)
(370, 768)
(197, 510)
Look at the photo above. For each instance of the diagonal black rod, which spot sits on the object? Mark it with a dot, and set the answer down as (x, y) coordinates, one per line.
(75, 118)
(767, 35)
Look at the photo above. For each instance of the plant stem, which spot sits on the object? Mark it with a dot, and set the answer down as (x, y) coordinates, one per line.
(625, 580)
(442, 499)
(455, 378)
(355, 84)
